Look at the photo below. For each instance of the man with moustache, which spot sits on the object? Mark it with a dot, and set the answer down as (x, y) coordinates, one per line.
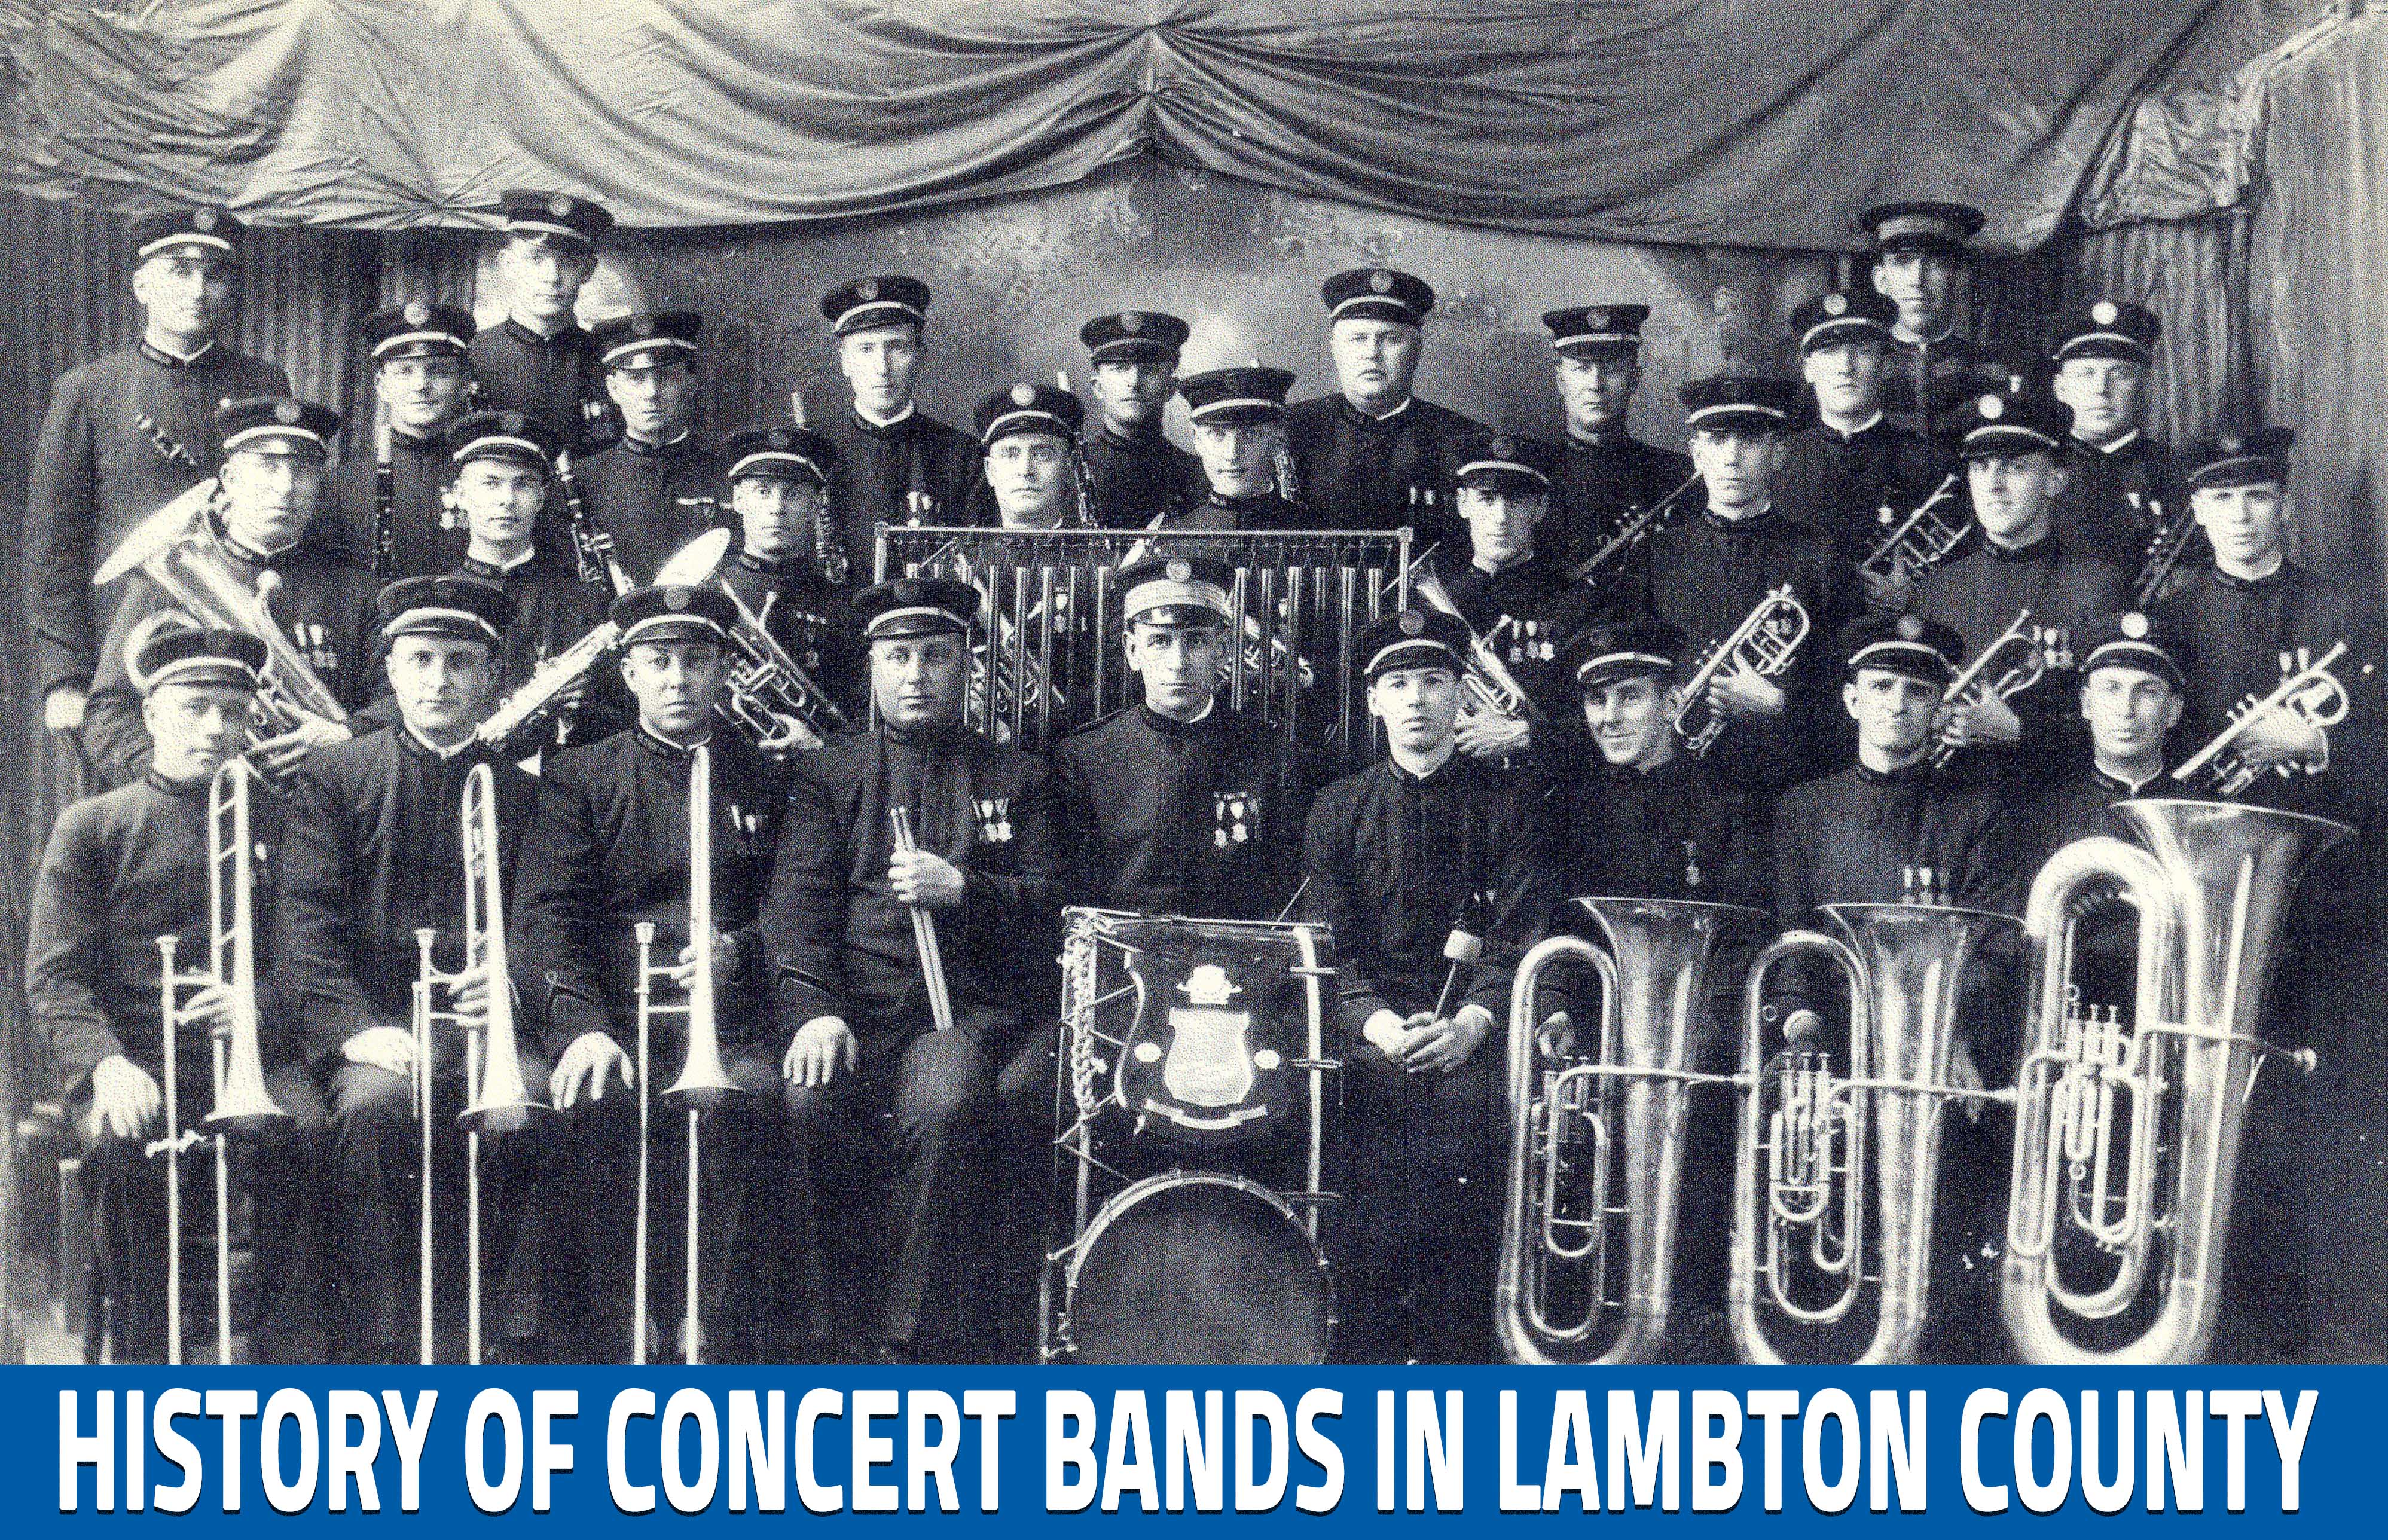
(650, 491)
(539, 361)
(1239, 435)
(400, 524)
(1842, 470)
(2119, 480)
(1607, 472)
(1919, 256)
(1138, 476)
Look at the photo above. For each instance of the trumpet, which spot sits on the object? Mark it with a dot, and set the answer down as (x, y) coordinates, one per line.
(768, 696)
(1923, 538)
(705, 1081)
(1489, 687)
(242, 1103)
(2022, 655)
(2307, 690)
(2127, 1131)
(1818, 1146)
(1597, 1143)
(497, 1098)
(1636, 525)
(2166, 546)
(1765, 642)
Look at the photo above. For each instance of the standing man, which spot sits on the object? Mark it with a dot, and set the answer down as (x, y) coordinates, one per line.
(2120, 481)
(1919, 256)
(1513, 597)
(1139, 477)
(650, 490)
(778, 480)
(1373, 456)
(896, 464)
(273, 451)
(373, 853)
(401, 523)
(1397, 857)
(1841, 471)
(125, 434)
(887, 1100)
(1608, 473)
(121, 870)
(1239, 434)
(609, 851)
(538, 360)
(1028, 444)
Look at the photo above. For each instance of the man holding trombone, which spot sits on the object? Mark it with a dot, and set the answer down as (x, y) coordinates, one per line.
(122, 869)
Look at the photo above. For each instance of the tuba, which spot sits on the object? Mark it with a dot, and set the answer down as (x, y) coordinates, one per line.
(1766, 640)
(1923, 539)
(2127, 1131)
(1597, 1143)
(1489, 687)
(1822, 1147)
(2021, 655)
(2307, 688)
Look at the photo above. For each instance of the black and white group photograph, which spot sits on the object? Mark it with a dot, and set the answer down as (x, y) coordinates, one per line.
(1018, 683)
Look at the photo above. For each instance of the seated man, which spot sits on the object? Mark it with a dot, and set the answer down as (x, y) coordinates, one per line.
(1239, 416)
(373, 853)
(2130, 697)
(273, 491)
(880, 1089)
(1513, 597)
(1138, 476)
(778, 489)
(121, 870)
(609, 852)
(1396, 857)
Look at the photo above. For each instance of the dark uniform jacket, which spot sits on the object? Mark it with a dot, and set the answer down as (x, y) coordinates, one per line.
(1164, 816)
(426, 537)
(1599, 482)
(877, 470)
(608, 847)
(554, 609)
(1359, 472)
(2075, 804)
(558, 380)
(125, 434)
(635, 492)
(1214, 511)
(1837, 484)
(121, 870)
(1706, 574)
(840, 943)
(325, 607)
(375, 852)
(1393, 862)
(805, 616)
(1679, 830)
(2108, 506)
(1526, 612)
(1137, 478)
(1925, 384)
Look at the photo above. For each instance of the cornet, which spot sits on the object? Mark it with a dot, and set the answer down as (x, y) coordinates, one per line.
(768, 695)
(497, 1098)
(1923, 538)
(243, 1105)
(1597, 1142)
(2166, 545)
(2127, 1131)
(1765, 641)
(1489, 687)
(2307, 690)
(2017, 658)
(1821, 1148)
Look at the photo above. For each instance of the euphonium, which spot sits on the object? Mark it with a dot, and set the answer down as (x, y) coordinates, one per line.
(1766, 640)
(1820, 1146)
(1598, 1141)
(1923, 538)
(1489, 687)
(2017, 658)
(2307, 689)
(2127, 1131)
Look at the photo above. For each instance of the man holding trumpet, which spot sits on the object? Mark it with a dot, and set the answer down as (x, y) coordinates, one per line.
(884, 1032)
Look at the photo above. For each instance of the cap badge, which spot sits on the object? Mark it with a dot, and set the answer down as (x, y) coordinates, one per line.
(1502, 449)
(417, 312)
(1024, 395)
(1595, 320)
(1381, 281)
(2135, 626)
(1836, 304)
(866, 290)
(2103, 312)
(2231, 443)
(676, 597)
(642, 326)
(1412, 622)
(1911, 627)
(513, 421)
(559, 205)
(203, 219)
(907, 591)
(1130, 321)
(1180, 569)
(780, 439)
(287, 414)
(1993, 407)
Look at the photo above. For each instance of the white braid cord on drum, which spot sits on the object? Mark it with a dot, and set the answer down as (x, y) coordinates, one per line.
(1079, 960)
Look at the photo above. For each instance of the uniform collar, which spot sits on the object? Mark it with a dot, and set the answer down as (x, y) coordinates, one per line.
(669, 446)
(242, 551)
(181, 791)
(529, 338)
(2117, 785)
(401, 438)
(2118, 447)
(881, 429)
(1634, 775)
(1253, 503)
(479, 569)
(1442, 774)
(1171, 727)
(2264, 584)
(1612, 438)
(1763, 517)
(932, 739)
(752, 563)
(665, 749)
(2042, 549)
(1905, 339)
(208, 353)
(1916, 772)
(1522, 568)
(1853, 435)
(415, 746)
(1148, 439)
(1386, 421)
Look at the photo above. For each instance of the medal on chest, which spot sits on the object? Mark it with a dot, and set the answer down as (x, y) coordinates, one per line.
(746, 832)
(1233, 817)
(993, 818)
(1530, 641)
(1691, 863)
(316, 641)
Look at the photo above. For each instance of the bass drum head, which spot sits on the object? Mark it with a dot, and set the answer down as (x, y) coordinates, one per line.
(1194, 1267)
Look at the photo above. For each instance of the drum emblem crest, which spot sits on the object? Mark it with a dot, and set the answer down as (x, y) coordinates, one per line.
(1210, 1060)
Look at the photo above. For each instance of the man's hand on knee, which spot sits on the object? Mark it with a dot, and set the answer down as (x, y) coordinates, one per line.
(124, 1096)
(822, 1047)
(592, 1057)
(387, 1048)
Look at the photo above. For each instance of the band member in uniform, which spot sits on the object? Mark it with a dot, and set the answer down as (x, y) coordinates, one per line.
(2132, 684)
(608, 850)
(2117, 475)
(121, 870)
(1396, 857)
(1514, 597)
(1028, 444)
(1239, 435)
(1607, 472)
(273, 451)
(651, 489)
(2012, 442)
(124, 435)
(538, 360)
(1139, 474)
(374, 852)
(394, 488)
(896, 464)
(1373, 456)
(1840, 471)
(1707, 574)
(885, 1101)
(778, 480)
(1919, 256)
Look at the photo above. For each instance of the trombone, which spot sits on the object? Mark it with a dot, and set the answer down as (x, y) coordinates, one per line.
(242, 1103)
(703, 1080)
(497, 1098)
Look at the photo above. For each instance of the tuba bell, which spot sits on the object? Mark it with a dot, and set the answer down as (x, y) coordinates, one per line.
(1823, 1149)
(2127, 1131)
(1597, 1142)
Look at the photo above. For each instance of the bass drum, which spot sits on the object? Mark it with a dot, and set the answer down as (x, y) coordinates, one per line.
(1198, 1267)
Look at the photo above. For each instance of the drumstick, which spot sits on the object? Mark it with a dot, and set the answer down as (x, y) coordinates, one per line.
(924, 936)
(1462, 947)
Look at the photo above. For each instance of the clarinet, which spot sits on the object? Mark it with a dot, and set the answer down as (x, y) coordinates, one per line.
(384, 540)
(168, 449)
(590, 547)
(829, 551)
